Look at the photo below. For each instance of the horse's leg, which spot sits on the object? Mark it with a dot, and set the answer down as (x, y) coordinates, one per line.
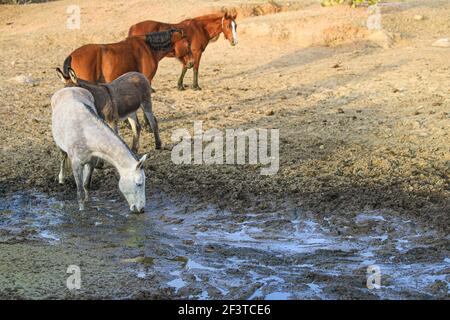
(181, 79)
(63, 166)
(87, 178)
(148, 67)
(197, 56)
(147, 106)
(147, 123)
(150, 78)
(77, 169)
(136, 127)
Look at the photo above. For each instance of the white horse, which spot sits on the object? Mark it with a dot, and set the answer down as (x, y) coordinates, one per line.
(83, 136)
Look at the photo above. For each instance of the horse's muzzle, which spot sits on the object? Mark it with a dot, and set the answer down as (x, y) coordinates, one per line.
(135, 209)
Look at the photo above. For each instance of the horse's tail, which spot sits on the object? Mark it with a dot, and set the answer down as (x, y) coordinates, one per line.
(67, 65)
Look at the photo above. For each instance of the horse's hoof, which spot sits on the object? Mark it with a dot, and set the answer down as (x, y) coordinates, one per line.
(197, 88)
(158, 147)
(181, 88)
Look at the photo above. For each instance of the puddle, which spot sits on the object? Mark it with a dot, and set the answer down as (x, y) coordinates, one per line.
(210, 254)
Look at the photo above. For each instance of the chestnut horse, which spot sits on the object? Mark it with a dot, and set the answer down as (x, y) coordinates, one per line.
(199, 32)
(106, 62)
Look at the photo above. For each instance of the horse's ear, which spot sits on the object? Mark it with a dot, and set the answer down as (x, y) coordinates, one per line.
(140, 164)
(61, 75)
(234, 16)
(73, 76)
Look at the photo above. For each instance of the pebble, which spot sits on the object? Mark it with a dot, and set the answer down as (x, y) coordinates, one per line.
(419, 17)
(442, 43)
(22, 79)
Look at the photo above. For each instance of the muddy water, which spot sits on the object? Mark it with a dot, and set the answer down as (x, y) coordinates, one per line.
(174, 250)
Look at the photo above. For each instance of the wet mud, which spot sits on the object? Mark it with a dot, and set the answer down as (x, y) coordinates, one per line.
(175, 250)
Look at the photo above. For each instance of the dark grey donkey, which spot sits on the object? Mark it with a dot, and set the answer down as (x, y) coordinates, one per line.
(120, 99)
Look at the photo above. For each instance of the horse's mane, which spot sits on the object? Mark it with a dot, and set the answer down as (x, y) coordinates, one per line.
(215, 15)
(206, 17)
(109, 110)
(161, 40)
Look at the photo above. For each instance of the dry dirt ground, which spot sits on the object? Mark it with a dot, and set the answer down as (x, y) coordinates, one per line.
(363, 115)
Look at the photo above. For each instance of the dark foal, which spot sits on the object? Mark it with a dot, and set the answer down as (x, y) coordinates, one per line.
(119, 100)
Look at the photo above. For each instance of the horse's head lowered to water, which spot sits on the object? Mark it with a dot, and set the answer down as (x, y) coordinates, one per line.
(83, 138)
(171, 40)
(229, 27)
(132, 186)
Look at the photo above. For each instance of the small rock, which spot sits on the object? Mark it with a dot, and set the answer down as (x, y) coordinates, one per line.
(439, 287)
(382, 38)
(418, 17)
(442, 43)
(270, 113)
(340, 110)
(22, 79)
(423, 134)
(321, 147)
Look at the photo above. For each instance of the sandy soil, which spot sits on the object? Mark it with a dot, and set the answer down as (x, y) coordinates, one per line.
(363, 116)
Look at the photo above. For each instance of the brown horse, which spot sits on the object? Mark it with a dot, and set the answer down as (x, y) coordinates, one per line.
(106, 62)
(199, 32)
(120, 99)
